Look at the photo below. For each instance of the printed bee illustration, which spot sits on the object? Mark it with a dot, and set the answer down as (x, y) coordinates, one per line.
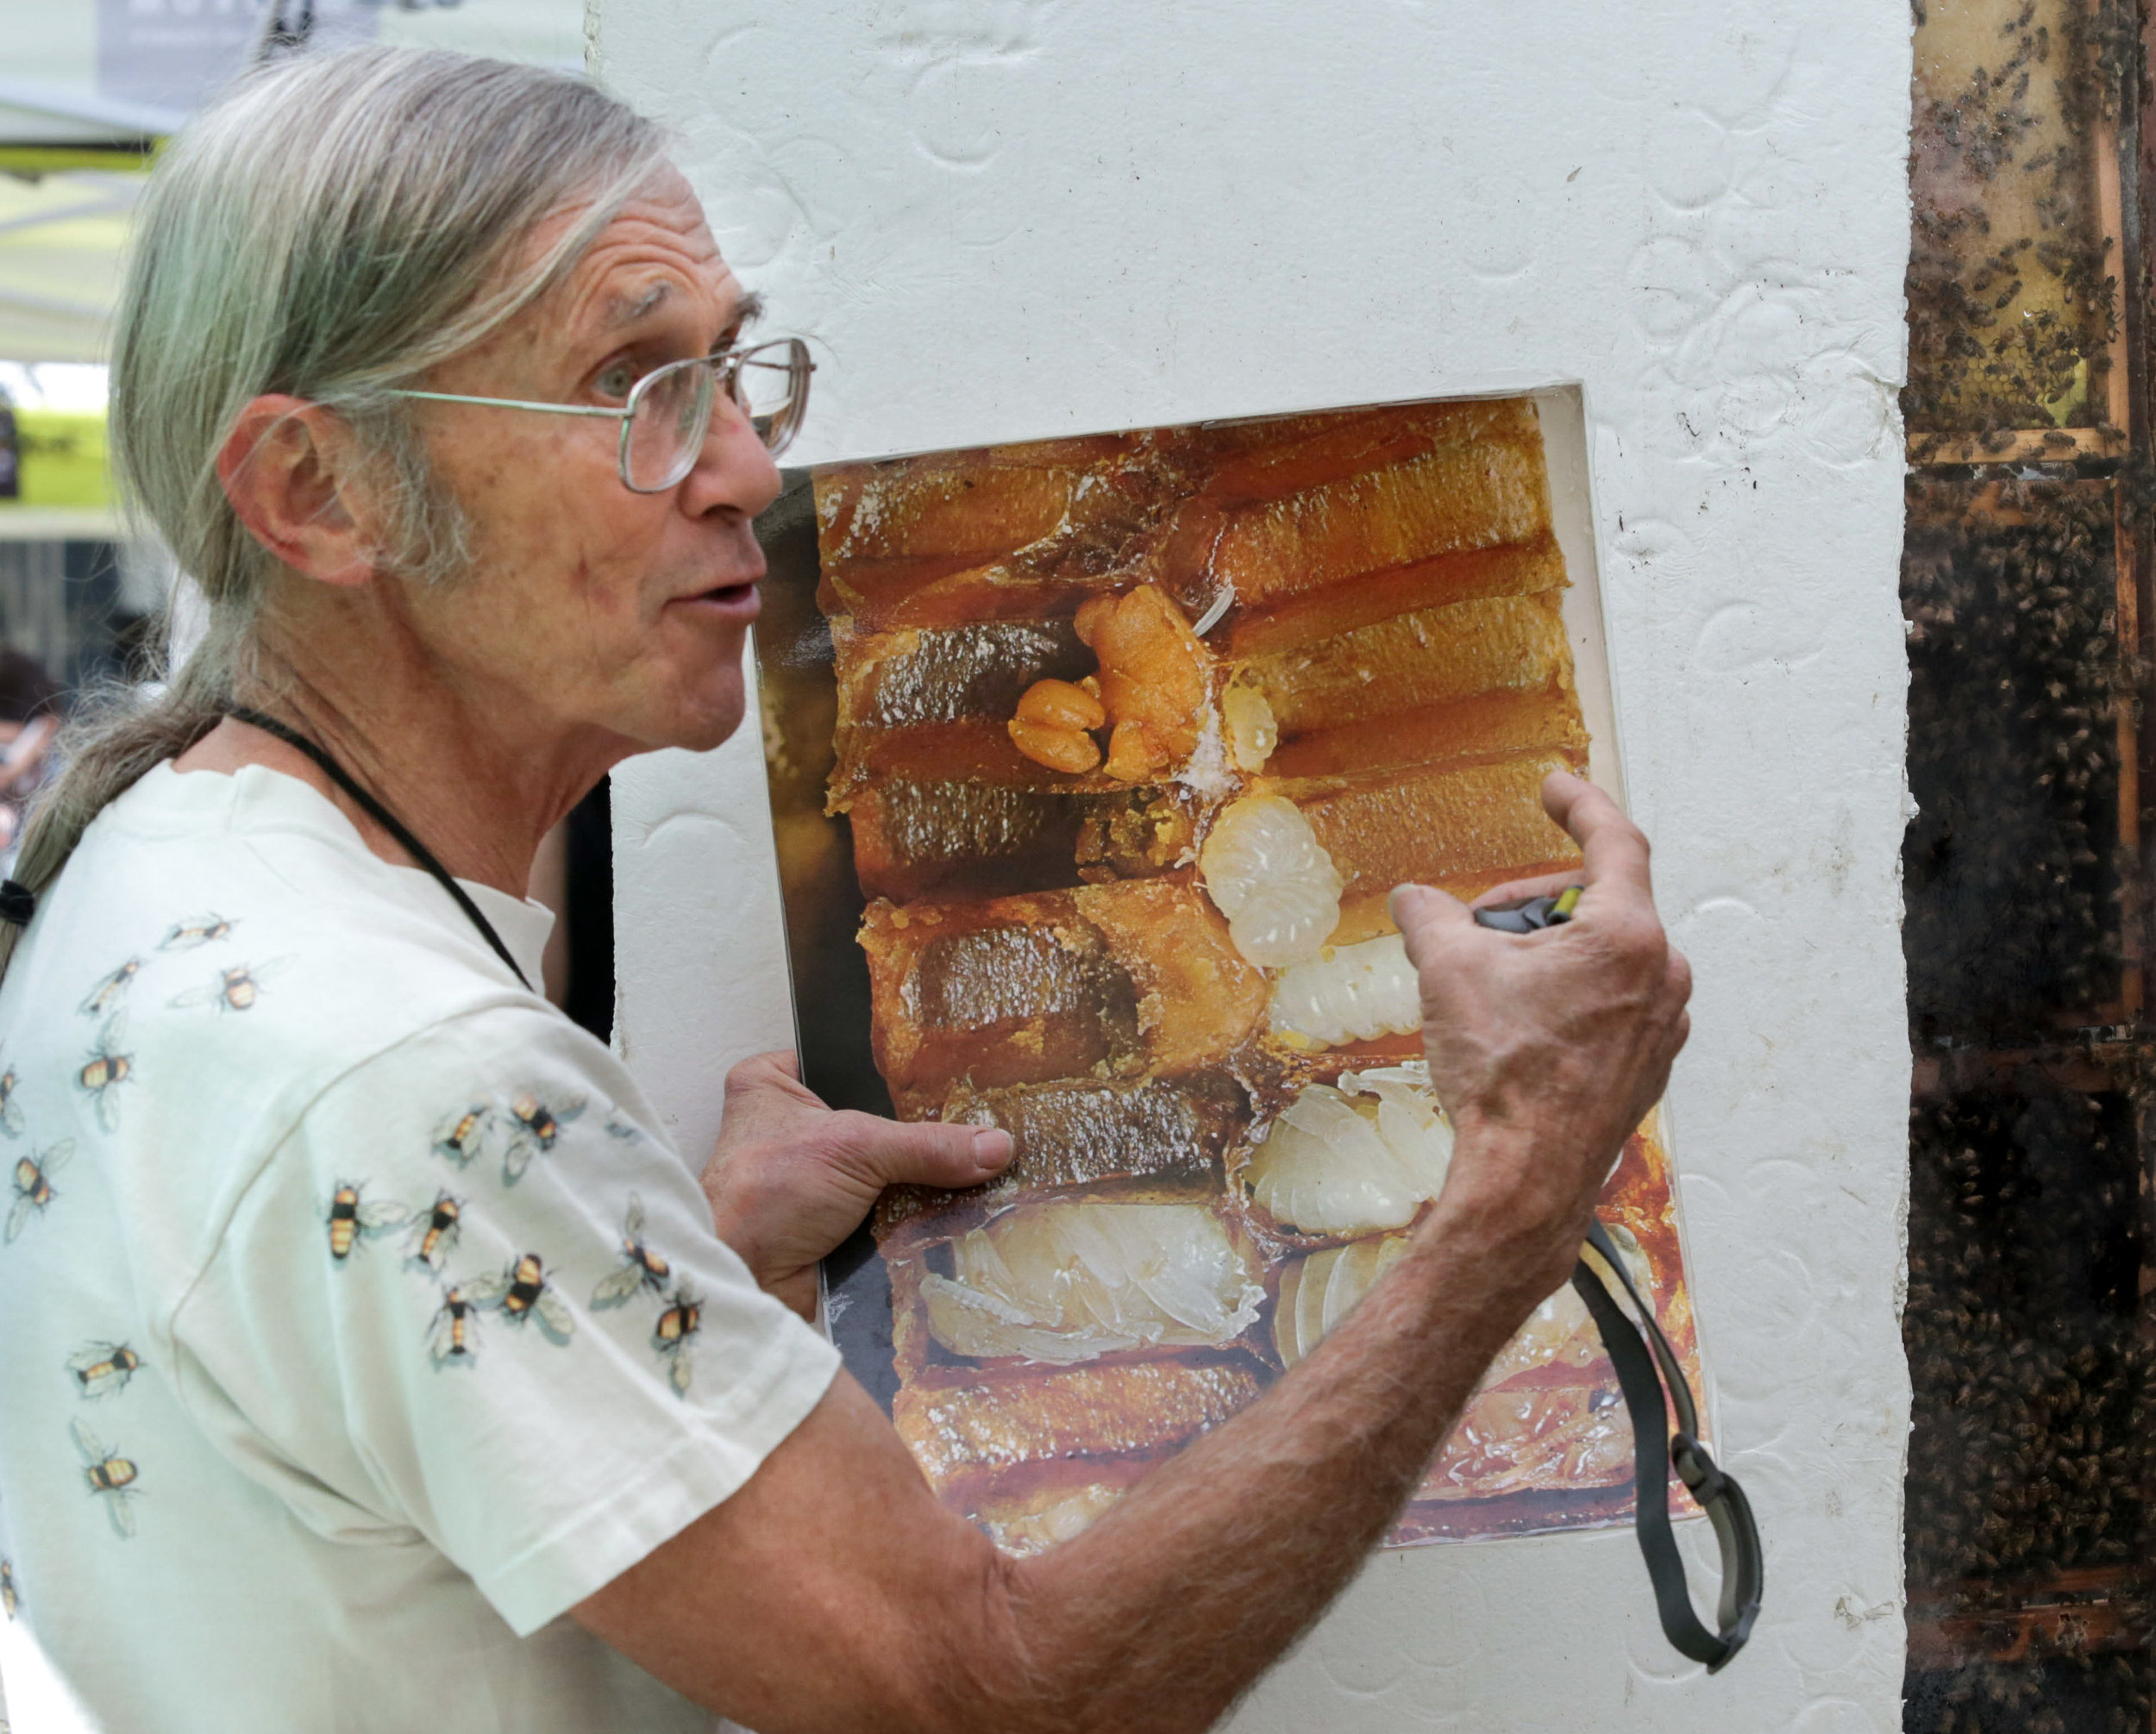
(536, 1127)
(111, 1476)
(107, 993)
(522, 1291)
(453, 1337)
(186, 936)
(10, 1598)
(10, 1110)
(351, 1217)
(236, 989)
(674, 1334)
(34, 1183)
(102, 1369)
(105, 1070)
(641, 1268)
(618, 1125)
(464, 1135)
(434, 1231)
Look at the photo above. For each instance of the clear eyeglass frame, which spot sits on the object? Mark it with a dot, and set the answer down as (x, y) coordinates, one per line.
(668, 413)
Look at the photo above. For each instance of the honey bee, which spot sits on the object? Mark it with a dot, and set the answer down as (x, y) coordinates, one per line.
(434, 1231)
(187, 934)
(105, 1070)
(10, 1110)
(522, 1291)
(106, 994)
(537, 1126)
(102, 1369)
(674, 1333)
(452, 1335)
(641, 1268)
(111, 1476)
(34, 1183)
(237, 989)
(350, 1217)
(10, 1598)
(464, 1135)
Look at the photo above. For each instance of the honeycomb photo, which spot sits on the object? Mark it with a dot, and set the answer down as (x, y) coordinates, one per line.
(1093, 763)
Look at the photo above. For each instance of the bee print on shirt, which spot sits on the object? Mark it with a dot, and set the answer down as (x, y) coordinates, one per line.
(236, 989)
(105, 1070)
(534, 1126)
(111, 1478)
(619, 1125)
(189, 935)
(10, 1110)
(102, 1369)
(453, 1337)
(32, 1181)
(10, 1597)
(522, 1292)
(640, 1268)
(466, 1134)
(352, 1218)
(110, 988)
(674, 1335)
(434, 1231)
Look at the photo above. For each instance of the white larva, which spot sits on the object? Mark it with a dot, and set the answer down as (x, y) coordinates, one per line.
(1265, 868)
(1356, 1159)
(1348, 993)
(1066, 1280)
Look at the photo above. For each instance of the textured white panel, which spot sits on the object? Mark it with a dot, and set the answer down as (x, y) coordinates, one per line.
(1003, 219)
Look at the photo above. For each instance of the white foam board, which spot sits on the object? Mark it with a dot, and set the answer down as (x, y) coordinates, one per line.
(1000, 220)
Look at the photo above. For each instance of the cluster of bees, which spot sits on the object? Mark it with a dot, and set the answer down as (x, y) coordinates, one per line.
(2010, 872)
(2025, 1241)
(2063, 1693)
(2031, 1394)
(2004, 330)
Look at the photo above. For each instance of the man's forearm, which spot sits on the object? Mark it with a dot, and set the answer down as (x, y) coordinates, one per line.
(1174, 1603)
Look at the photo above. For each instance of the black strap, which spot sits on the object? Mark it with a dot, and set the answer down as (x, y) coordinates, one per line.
(387, 820)
(1636, 1357)
(18, 903)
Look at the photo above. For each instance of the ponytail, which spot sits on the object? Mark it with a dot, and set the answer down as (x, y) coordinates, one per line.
(119, 733)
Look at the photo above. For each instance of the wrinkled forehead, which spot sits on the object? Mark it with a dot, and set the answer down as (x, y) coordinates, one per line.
(654, 262)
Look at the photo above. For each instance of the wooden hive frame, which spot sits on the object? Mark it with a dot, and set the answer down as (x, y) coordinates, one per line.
(2103, 1048)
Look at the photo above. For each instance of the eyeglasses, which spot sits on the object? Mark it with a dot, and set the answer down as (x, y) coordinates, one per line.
(668, 413)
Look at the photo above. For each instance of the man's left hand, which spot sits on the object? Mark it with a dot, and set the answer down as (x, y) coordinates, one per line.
(790, 1178)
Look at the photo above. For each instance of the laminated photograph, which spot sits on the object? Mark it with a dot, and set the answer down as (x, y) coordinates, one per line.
(1092, 762)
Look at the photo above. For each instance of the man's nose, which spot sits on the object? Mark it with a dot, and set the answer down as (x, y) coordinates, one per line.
(735, 468)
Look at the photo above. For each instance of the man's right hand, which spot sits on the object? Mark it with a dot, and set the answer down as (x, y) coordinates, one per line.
(1546, 1048)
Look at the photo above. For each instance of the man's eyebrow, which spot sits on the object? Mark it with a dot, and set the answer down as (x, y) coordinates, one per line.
(747, 312)
(627, 309)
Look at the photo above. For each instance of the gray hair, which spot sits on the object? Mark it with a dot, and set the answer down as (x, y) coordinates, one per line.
(334, 225)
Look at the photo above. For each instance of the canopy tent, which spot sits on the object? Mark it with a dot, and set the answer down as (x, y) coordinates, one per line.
(60, 240)
(71, 168)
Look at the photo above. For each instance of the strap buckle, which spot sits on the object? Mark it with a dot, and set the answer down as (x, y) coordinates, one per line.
(1638, 1350)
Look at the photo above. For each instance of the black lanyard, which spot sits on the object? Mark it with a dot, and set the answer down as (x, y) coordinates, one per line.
(387, 820)
(1637, 1350)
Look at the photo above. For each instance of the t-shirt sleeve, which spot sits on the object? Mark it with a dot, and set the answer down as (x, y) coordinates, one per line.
(474, 1296)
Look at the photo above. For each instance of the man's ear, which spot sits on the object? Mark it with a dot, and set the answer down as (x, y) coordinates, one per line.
(291, 469)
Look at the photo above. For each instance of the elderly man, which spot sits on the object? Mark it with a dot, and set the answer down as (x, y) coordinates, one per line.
(372, 1361)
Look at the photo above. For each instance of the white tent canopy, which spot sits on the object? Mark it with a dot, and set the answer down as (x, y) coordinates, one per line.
(60, 242)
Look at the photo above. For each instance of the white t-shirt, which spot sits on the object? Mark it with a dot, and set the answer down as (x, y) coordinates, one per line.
(358, 1321)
